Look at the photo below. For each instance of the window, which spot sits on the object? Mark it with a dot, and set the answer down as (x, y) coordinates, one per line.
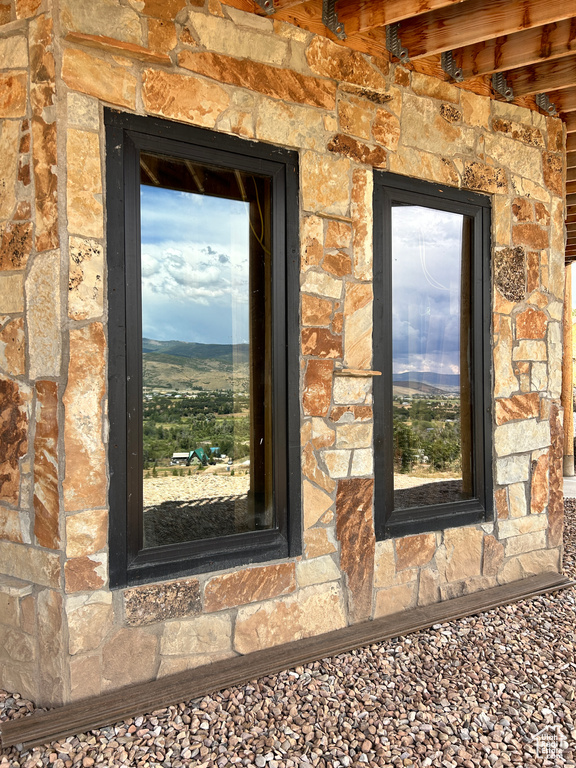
(202, 293)
(431, 330)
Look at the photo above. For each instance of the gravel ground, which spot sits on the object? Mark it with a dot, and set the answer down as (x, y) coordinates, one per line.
(473, 692)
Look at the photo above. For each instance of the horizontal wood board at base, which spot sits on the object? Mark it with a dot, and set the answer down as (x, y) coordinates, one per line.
(109, 708)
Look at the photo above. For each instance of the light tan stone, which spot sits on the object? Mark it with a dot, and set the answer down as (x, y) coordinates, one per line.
(358, 338)
(337, 462)
(13, 91)
(521, 525)
(290, 125)
(84, 184)
(475, 109)
(86, 573)
(539, 377)
(424, 129)
(355, 116)
(9, 130)
(9, 610)
(13, 347)
(29, 564)
(316, 571)
(85, 677)
(512, 469)
(519, 158)
(428, 587)
(395, 599)
(434, 88)
(384, 564)
(517, 500)
(85, 479)
(88, 625)
(555, 360)
(318, 542)
(311, 236)
(361, 213)
(101, 17)
(331, 60)
(518, 545)
(10, 525)
(203, 634)
(520, 436)
(539, 485)
(83, 112)
(86, 279)
(249, 585)
(13, 52)
(530, 350)
(530, 564)
(325, 183)
(86, 532)
(11, 293)
(172, 665)
(321, 435)
(315, 503)
(312, 471)
(322, 284)
(414, 551)
(466, 587)
(351, 390)
(354, 436)
(423, 165)
(311, 611)
(43, 315)
(129, 656)
(15, 646)
(502, 220)
(362, 462)
(463, 552)
(99, 77)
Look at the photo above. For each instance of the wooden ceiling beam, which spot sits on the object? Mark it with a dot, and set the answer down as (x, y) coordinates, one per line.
(571, 174)
(564, 100)
(530, 46)
(570, 159)
(571, 142)
(542, 77)
(362, 15)
(476, 20)
(570, 122)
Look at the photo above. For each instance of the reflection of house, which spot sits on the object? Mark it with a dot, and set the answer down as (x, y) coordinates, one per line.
(202, 455)
(349, 131)
(180, 458)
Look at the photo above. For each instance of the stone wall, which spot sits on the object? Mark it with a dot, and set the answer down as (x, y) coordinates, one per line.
(64, 634)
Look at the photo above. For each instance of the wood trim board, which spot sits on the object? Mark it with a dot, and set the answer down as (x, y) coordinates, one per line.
(108, 708)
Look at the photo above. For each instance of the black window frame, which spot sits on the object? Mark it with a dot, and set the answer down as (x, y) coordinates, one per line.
(126, 136)
(389, 189)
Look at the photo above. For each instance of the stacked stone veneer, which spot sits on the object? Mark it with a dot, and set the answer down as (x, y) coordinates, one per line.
(63, 633)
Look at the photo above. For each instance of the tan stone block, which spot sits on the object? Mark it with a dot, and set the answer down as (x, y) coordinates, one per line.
(493, 556)
(99, 77)
(50, 647)
(519, 132)
(512, 469)
(322, 284)
(316, 571)
(337, 462)
(501, 503)
(362, 462)
(85, 677)
(15, 646)
(428, 587)
(10, 525)
(13, 347)
(467, 587)
(517, 407)
(354, 436)
(325, 183)
(315, 503)
(30, 564)
(539, 485)
(129, 656)
(463, 552)
(355, 116)
(13, 52)
(162, 35)
(330, 60)
(338, 235)
(249, 585)
(384, 564)
(83, 112)
(518, 437)
(321, 435)
(204, 634)
(531, 324)
(386, 129)
(9, 135)
(361, 213)
(320, 342)
(350, 390)
(517, 500)
(521, 526)
(358, 337)
(15, 245)
(316, 311)
(25, 9)
(172, 665)
(475, 109)
(85, 480)
(290, 125)
(311, 236)
(556, 499)
(85, 282)
(86, 573)
(530, 350)
(84, 183)
(88, 625)
(424, 129)
(317, 388)
(43, 315)
(13, 92)
(318, 542)
(423, 165)
(395, 599)
(519, 158)
(350, 413)
(424, 85)
(9, 610)
(517, 545)
(337, 263)
(101, 17)
(15, 399)
(530, 235)
(414, 551)
(312, 471)
(11, 293)
(86, 533)
(311, 611)
(46, 491)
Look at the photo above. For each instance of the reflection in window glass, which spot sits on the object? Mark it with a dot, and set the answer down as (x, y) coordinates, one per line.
(431, 376)
(205, 247)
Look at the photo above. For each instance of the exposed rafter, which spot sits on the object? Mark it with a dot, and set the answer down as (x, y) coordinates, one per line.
(542, 77)
(362, 15)
(521, 49)
(565, 100)
(476, 20)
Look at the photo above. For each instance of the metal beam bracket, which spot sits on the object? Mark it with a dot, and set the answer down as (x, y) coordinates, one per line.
(449, 66)
(501, 86)
(267, 6)
(394, 44)
(330, 19)
(545, 104)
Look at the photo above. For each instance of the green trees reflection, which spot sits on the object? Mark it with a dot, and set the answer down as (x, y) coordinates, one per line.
(427, 432)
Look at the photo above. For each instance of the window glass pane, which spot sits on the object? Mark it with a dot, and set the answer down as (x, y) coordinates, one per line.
(206, 425)
(431, 375)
